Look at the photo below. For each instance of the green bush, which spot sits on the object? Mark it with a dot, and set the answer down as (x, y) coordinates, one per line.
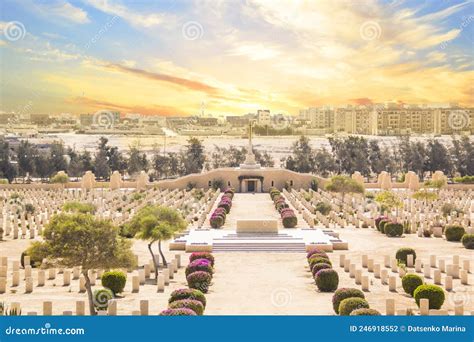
(323, 207)
(199, 280)
(454, 233)
(464, 179)
(433, 293)
(410, 282)
(37, 251)
(316, 259)
(60, 178)
(382, 225)
(192, 304)
(365, 312)
(78, 207)
(327, 280)
(344, 293)
(350, 304)
(289, 221)
(402, 254)
(318, 267)
(114, 280)
(316, 251)
(393, 229)
(468, 241)
(187, 294)
(101, 298)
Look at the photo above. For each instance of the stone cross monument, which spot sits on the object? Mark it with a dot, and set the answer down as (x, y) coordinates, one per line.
(250, 162)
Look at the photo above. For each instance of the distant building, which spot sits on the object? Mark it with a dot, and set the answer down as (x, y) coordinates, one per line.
(263, 117)
(40, 119)
(389, 119)
(203, 121)
(86, 119)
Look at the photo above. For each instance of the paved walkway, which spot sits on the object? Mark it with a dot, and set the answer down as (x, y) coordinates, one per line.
(265, 284)
(262, 283)
(251, 206)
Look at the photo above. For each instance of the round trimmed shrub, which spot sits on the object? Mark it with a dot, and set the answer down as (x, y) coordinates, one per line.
(316, 259)
(199, 280)
(177, 312)
(365, 312)
(101, 298)
(199, 265)
(393, 229)
(410, 282)
(433, 293)
(202, 255)
(187, 294)
(454, 233)
(382, 225)
(114, 280)
(289, 219)
(318, 267)
(468, 241)
(344, 293)
(378, 220)
(192, 304)
(350, 304)
(327, 280)
(316, 251)
(402, 254)
(317, 255)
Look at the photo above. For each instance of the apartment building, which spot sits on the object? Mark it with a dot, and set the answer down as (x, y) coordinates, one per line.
(390, 120)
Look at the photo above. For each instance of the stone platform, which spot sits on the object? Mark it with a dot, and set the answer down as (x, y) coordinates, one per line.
(288, 240)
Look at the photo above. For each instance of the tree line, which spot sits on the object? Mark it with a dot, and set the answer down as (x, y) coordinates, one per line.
(345, 155)
(28, 160)
(350, 154)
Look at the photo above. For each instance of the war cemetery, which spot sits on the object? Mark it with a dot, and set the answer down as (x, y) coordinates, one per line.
(237, 241)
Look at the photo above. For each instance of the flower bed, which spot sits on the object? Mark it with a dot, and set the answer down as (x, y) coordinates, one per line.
(191, 301)
(287, 214)
(217, 219)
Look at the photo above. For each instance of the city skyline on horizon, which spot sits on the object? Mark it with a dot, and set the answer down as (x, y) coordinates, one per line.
(167, 58)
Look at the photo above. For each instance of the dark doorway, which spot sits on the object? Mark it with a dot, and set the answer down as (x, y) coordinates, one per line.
(250, 186)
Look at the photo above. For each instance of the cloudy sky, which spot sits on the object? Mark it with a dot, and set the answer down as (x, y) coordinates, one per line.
(168, 57)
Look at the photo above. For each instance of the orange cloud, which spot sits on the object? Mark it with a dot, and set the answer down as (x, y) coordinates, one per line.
(183, 82)
(146, 110)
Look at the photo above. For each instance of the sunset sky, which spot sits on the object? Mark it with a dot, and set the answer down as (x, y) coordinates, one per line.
(167, 57)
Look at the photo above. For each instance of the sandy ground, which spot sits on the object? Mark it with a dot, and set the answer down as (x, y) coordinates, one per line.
(258, 283)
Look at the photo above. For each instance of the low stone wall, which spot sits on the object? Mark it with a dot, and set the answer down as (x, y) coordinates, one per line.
(257, 226)
(230, 177)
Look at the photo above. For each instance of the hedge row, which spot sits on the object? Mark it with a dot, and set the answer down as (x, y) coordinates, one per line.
(287, 214)
(388, 227)
(192, 301)
(218, 217)
(325, 277)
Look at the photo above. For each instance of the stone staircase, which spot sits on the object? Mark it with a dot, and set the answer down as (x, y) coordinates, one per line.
(258, 242)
